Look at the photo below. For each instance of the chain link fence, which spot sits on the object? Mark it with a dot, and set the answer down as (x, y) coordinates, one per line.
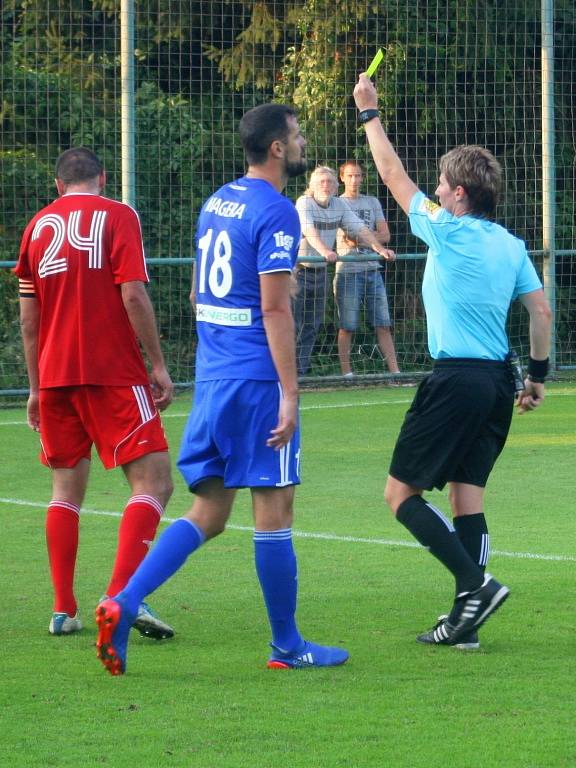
(156, 88)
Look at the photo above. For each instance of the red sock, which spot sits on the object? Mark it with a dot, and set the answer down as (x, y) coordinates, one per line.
(137, 530)
(62, 523)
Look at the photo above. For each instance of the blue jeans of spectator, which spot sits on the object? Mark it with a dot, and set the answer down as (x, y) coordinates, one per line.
(309, 308)
(352, 290)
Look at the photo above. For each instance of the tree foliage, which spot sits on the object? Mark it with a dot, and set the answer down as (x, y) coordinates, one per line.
(453, 71)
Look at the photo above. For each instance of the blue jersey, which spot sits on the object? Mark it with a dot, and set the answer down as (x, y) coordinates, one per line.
(245, 229)
(474, 270)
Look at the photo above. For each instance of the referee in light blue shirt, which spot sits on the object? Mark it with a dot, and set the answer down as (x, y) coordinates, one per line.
(458, 423)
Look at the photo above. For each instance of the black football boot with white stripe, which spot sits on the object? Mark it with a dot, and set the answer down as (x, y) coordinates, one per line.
(436, 636)
(470, 611)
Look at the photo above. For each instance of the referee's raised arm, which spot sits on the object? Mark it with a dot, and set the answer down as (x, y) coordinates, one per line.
(389, 165)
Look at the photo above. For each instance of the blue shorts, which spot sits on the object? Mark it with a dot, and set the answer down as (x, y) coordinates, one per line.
(226, 435)
(354, 289)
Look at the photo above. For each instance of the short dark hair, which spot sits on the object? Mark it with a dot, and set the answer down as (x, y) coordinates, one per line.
(260, 127)
(78, 164)
(476, 170)
(353, 162)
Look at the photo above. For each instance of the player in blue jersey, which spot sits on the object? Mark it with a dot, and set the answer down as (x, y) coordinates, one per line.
(243, 430)
(459, 420)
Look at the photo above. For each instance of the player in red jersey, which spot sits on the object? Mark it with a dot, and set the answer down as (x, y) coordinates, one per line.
(84, 311)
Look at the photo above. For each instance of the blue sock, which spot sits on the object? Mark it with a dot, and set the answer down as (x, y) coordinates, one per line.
(169, 554)
(278, 574)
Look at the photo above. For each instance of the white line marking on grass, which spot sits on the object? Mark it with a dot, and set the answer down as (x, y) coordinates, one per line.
(310, 407)
(320, 536)
(184, 414)
(324, 407)
(352, 405)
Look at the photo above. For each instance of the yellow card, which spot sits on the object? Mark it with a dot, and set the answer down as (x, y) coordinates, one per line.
(375, 63)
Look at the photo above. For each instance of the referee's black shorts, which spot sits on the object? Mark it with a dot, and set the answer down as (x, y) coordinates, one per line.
(457, 424)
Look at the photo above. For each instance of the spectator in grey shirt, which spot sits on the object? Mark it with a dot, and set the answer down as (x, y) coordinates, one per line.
(321, 215)
(360, 283)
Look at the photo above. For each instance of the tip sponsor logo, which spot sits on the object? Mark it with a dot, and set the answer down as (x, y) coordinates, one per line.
(283, 241)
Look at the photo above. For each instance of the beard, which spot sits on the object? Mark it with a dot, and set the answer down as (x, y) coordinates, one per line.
(295, 168)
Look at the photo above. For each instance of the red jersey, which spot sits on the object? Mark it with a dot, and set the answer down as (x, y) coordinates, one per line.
(74, 255)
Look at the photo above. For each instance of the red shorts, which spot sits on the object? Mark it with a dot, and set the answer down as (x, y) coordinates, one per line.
(122, 422)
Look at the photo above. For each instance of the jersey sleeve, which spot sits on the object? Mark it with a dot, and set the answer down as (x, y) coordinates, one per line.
(22, 269)
(426, 218)
(305, 211)
(126, 246)
(278, 237)
(527, 279)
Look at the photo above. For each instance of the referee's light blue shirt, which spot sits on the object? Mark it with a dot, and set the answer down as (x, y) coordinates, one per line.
(474, 270)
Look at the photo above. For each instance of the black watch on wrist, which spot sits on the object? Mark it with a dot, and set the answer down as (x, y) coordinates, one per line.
(368, 114)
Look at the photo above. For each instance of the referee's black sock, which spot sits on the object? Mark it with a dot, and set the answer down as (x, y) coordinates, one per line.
(434, 531)
(472, 531)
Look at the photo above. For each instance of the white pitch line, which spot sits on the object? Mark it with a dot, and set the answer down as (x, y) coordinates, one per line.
(314, 407)
(352, 405)
(184, 414)
(320, 536)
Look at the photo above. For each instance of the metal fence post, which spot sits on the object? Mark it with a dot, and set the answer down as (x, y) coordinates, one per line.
(548, 167)
(128, 121)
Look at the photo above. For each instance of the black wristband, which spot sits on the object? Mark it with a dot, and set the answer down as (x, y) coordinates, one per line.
(367, 114)
(537, 370)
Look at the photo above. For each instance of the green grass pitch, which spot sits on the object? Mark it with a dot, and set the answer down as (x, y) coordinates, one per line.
(206, 699)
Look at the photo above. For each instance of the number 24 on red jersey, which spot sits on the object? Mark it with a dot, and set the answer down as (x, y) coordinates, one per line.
(52, 262)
